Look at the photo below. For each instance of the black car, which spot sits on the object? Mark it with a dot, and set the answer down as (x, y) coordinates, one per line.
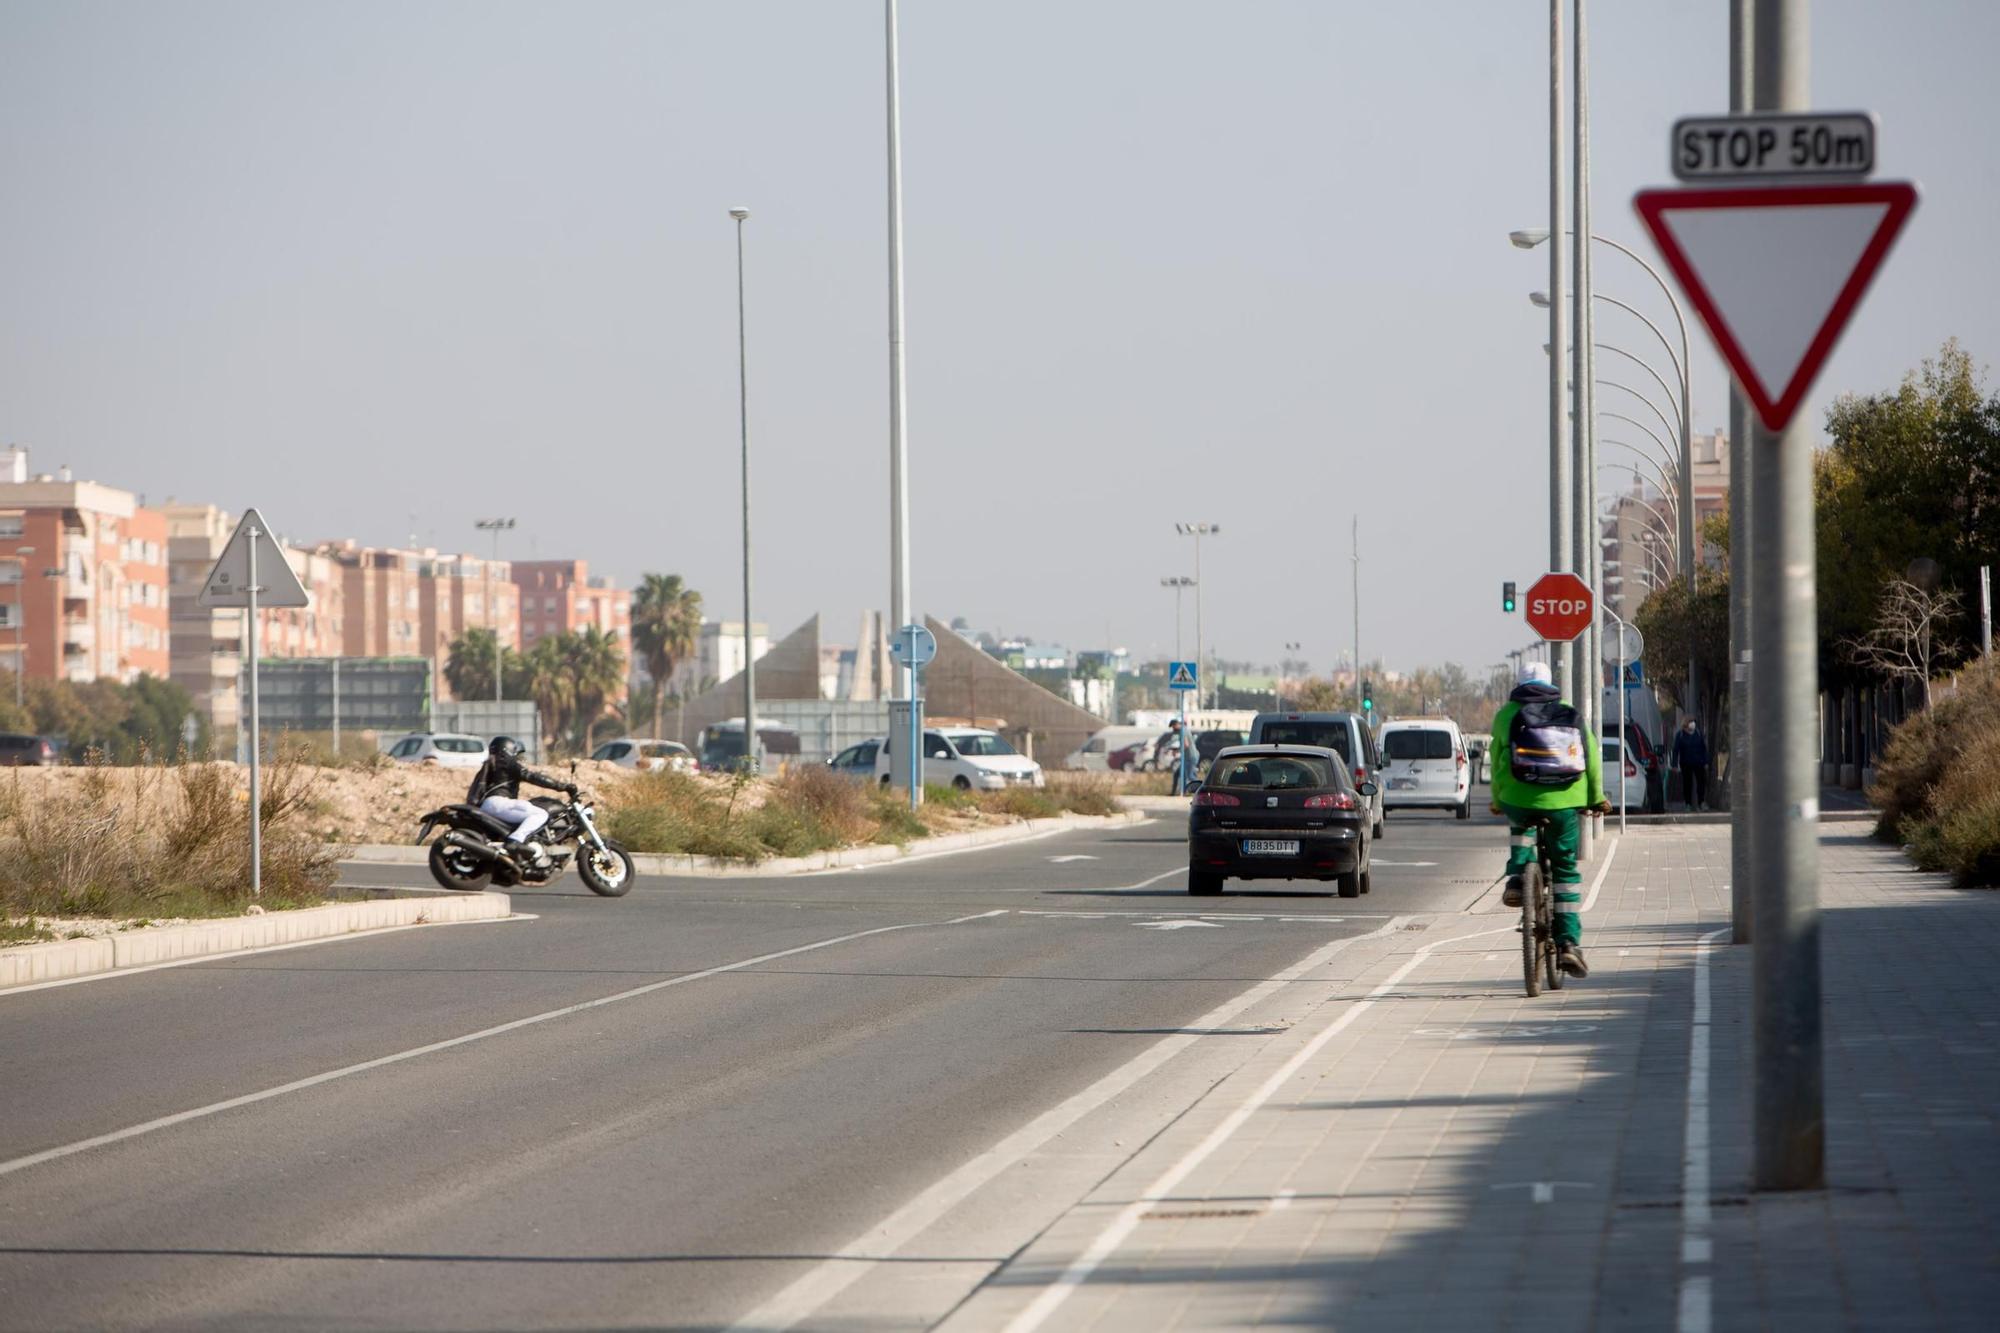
(1280, 812)
(27, 751)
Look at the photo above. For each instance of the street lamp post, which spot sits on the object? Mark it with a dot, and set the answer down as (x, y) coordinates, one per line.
(743, 419)
(1180, 583)
(1198, 531)
(496, 526)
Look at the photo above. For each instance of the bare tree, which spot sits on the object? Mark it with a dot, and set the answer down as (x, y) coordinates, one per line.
(1909, 634)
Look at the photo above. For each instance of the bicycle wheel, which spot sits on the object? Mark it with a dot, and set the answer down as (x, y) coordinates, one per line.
(1551, 970)
(1531, 943)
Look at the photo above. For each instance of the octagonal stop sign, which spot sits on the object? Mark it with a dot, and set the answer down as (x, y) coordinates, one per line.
(1559, 607)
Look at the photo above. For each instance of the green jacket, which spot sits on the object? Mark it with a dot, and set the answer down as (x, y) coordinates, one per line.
(1509, 790)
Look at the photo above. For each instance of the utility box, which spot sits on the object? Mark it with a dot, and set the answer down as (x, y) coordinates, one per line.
(899, 742)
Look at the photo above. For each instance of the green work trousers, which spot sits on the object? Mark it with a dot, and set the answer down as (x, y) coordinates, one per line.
(1563, 829)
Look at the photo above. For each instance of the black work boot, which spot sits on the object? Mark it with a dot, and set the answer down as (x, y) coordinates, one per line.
(1569, 958)
(1511, 895)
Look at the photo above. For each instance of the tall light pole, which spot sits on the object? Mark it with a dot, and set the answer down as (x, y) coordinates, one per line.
(1357, 613)
(743, 419)
(496, 526)
(1742, 856)
(1198, 531)
(899, 447)
(1562, 657)
(1180, 583)
(1586, 535)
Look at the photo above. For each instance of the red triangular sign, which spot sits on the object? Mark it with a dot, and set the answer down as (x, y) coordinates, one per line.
(1776, 272)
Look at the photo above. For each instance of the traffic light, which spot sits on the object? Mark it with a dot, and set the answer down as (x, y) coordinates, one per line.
(1507, 597)
(1367, 696)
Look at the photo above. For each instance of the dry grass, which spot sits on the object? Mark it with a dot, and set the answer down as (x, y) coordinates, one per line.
(156, 840)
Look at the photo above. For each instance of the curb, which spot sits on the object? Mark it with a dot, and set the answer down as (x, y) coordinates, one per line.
(139, 948)
(651, 863)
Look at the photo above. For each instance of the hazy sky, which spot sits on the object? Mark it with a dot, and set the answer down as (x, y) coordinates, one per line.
(383, 268)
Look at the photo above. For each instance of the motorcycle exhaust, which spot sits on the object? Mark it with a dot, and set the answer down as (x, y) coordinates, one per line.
(465, 842)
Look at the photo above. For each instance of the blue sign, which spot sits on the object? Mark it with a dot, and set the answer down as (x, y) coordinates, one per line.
(1181, 675)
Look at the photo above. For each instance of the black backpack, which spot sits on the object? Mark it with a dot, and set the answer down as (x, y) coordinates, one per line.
(1545, 744)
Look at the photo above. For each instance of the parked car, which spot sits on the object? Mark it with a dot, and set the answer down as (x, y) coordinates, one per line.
(1346, 734)
(27, 751)
(1208, 744)
(1280, 812)
(1139, 756)
(857, 761)
(439, 749)
(1094, 755)
(1424, 766)
(722, 745)
(968, 758)
(1624, 779)
(646, 755)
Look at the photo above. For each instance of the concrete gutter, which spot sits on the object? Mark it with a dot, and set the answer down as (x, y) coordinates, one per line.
(648, 863)
(139, 948)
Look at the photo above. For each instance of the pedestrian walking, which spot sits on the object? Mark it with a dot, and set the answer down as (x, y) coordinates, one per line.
(1691, 757)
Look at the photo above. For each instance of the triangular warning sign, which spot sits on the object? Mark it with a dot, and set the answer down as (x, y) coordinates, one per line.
(228, 583)
(1776, 272)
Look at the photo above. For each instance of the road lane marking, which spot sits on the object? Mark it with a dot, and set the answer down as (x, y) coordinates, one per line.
(1074, 856)
(1182, 924)
(1121, 1226)
(1697, 1296)
(1402, 865)
(804, 1297)
(432, 1048)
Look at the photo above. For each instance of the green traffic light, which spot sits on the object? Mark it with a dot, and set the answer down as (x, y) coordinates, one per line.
(1507, 598)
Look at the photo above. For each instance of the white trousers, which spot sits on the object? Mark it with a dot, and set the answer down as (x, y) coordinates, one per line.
(525, 816)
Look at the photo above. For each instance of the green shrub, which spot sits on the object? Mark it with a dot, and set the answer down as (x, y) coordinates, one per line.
(1022, 803)
(1084, 793)
(1928, 747)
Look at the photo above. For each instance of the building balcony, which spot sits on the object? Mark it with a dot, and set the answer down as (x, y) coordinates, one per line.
(80, 635)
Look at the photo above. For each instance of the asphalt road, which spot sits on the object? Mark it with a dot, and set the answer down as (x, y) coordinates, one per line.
(661, 1111)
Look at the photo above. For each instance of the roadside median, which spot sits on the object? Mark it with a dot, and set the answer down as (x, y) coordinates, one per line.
(64, 959)
(844, 858)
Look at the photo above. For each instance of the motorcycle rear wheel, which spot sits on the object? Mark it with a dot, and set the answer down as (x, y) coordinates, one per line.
(609, 876)
(456, 869)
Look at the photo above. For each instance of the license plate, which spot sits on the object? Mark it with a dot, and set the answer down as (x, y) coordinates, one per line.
(1270, 847)
(1402, 784)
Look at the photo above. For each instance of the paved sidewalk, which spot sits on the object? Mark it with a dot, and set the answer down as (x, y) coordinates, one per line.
(1433, 1150)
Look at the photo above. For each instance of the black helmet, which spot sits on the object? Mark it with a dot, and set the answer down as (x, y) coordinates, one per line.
(506, 747)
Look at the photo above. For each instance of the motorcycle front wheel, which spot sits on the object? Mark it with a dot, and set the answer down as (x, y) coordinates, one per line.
(608, 873)
(455, 868)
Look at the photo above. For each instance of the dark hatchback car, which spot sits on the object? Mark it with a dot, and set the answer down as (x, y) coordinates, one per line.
(27, 751)
(1280, 812)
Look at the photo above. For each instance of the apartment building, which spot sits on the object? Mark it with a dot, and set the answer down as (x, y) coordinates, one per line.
(559, 596)
(83, 578)
(462, 592)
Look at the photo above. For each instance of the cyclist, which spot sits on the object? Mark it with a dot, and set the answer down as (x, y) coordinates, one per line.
(1545, 770)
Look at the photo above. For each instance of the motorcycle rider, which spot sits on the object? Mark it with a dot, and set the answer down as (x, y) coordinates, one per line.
(496, 790)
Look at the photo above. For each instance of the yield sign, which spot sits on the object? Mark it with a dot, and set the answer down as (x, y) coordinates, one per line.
(1776, 273)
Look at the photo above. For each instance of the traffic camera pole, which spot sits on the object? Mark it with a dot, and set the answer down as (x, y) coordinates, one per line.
(1742, 776)
(1789, 1093)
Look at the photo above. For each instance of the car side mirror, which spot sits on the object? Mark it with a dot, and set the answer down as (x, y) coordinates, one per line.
(1367, 789)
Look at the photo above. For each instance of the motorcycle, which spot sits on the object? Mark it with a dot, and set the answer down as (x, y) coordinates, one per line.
(472, 851)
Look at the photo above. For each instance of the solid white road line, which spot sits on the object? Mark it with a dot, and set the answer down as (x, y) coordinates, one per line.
(345, 1071)
(804, 1297)
(1122, 1225)
(1697, 1247)
(1602, 871)
(372, 933)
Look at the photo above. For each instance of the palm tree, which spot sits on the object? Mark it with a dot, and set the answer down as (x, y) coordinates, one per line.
(468, 667)
(596, 665)
(551, 684)
(666, 625)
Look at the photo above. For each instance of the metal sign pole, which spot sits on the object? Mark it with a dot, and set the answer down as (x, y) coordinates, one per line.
(1789, 1083)
(336, 709)
(1181, 761)
(916, 725)
(256, 784)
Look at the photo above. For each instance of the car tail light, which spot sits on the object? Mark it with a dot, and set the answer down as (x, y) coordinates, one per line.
(1215, 798)
(1461, 759)
(1339, 800)
(1630, 770)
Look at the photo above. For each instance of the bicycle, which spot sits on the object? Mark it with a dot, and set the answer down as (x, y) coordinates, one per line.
(1538, 920)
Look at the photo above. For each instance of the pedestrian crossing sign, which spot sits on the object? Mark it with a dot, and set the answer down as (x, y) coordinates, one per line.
(1180, 675)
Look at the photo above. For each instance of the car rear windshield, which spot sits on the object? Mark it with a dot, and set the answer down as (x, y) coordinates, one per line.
(981, 745)
(458, 745)
(1418, 743)
(1270, 772)
(1325, 735)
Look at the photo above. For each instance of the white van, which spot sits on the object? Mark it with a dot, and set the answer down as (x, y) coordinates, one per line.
(969, 758)
(1424, 766)
(1094, 755)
